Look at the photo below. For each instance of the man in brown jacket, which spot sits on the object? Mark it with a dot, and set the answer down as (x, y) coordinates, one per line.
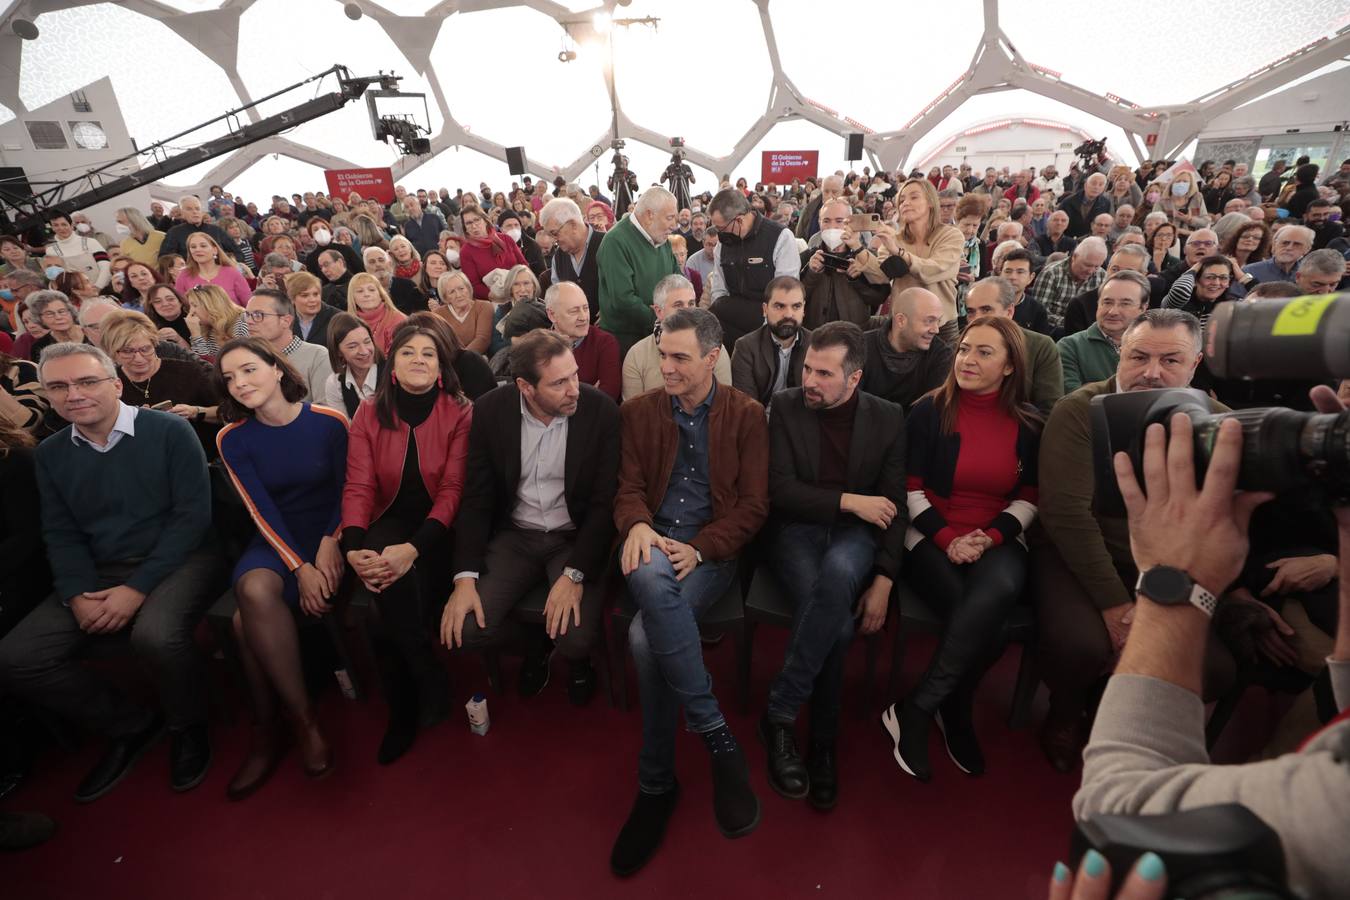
(693, 491)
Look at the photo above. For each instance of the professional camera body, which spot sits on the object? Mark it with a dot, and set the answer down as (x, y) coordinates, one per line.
(1089, 152)
(1300, 456)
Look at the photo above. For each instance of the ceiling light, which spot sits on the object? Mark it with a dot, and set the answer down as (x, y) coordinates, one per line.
(24, 29)
(602, 22)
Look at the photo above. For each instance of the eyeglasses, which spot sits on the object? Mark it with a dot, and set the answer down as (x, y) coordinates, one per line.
(1216, 279)
(84, 384)
(131, 352)
(55, 313)
(257, 315)
(1194, 243)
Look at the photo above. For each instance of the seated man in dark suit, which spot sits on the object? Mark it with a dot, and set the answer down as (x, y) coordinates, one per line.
(837, 488)
(769, 359)
(539, 486)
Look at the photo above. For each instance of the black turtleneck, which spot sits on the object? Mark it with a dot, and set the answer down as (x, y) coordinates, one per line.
(836, 436)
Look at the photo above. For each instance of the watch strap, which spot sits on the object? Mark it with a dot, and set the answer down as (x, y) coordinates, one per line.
(1200, 598)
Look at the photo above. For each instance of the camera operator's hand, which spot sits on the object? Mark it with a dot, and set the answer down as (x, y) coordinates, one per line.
(1147, 881)
(1201, 532)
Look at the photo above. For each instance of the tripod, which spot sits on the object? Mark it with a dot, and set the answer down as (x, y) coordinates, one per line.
(679, 176)
(622, 184)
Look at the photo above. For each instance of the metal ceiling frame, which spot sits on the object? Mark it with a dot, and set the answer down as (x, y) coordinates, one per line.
(996, 65)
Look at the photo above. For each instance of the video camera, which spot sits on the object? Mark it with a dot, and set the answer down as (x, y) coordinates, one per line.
(1210, 852)
(1090, 151)
(1303, 456)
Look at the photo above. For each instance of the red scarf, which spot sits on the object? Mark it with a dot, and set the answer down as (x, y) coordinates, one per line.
(491, 242)
(408, 270)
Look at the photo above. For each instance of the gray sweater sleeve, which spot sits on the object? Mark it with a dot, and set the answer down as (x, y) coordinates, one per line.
(1147, 756)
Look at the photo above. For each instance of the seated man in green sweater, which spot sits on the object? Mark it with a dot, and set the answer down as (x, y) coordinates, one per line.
(996, 296)
(1093, 353)
(126, 504)
(633, 257)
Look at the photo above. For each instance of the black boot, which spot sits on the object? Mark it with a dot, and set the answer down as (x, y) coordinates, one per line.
(734, 802)
(955, 721)
(117, 760)
(823, 769)
(189, 757)
(400, 692)
(908, 728)
(534, 668)
(787, 773)
(641, 835)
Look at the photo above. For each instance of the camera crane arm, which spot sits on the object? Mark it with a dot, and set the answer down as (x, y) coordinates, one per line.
(34, 210)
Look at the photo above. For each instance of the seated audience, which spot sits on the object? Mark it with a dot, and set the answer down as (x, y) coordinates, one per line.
(126, 508)
(837, 486)
(972, 480)
(357, 363)
(178, 386)
(59, 319)
(25, 574)
(1202, 287)
(769, 359)
(1286, 248)
(269, 317)
(576, 249)
(1055, 238)
(207, 263)
(474, 373)
(336, 273)
(312, 315)
(406, 298)
(996, 296)
(23, 402)
(369, 302)
(405, 477)
(469, 318)
(642, 365)
(1094, 353)
(832, 294)
(1084, 574)
(633, 256)
(434, 265)
(1059, 282)
(681, 539)
(288, 460)
(904, 360)
(194, 221)
(522, 521)
(1321, 272)
(484, 249)
(1018, 268)
(595, 350)
(212, 320)
(167, 309)
(1247, 245)
(1082, 310)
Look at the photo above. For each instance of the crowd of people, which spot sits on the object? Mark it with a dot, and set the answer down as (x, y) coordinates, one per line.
(446, 402)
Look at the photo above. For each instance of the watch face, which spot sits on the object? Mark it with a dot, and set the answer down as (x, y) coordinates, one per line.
(1164, 584)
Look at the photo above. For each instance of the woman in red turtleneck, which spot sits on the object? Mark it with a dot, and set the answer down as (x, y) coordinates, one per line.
(972, 494)
(368, 301)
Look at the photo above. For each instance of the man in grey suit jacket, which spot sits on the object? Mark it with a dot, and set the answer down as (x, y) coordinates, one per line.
(769, 359)
(837, 485)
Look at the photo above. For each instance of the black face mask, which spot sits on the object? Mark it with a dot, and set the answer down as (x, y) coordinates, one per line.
(726, 237)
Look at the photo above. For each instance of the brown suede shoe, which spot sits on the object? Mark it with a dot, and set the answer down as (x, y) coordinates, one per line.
(266, 748)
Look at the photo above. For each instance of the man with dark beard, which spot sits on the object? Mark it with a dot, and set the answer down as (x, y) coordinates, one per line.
(769, 359)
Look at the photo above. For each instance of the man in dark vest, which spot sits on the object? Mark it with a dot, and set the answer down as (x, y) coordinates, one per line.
(751, 252)
(576, 249)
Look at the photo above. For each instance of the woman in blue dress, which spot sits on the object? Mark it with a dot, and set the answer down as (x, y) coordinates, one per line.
(288, 461)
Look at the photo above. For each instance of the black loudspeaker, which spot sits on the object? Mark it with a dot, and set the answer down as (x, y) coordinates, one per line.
(515, 160)
(14, 184)
(853, 146)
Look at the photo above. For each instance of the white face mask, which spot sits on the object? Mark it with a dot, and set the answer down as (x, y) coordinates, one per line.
(832, 237)
(123, 229)
(512, 233)
(322, 236)
(452, 257)
(83, 228)
(1180, 188)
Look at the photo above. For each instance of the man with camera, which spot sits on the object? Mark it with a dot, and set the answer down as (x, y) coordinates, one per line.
(831, 294)
(1083, 574)
(1147, 754)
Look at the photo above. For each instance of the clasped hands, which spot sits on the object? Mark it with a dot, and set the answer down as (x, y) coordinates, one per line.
(969, 547)
(379, 570)
(637, 548)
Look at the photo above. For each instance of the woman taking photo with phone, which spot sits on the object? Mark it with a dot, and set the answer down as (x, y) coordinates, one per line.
(288, 460)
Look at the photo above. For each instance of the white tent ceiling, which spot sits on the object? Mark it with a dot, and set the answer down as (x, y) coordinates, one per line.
(730, 76)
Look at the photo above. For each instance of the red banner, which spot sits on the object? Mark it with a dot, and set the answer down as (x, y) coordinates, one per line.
(371, 184)
(781, 166)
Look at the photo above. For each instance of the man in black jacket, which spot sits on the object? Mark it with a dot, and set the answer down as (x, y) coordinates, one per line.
(194, 220)
(1085, 205)
(575, 255)
(751, 252)
(837, 485)
(769, 359)
(336, 275)
(903, 359)
(538, 503)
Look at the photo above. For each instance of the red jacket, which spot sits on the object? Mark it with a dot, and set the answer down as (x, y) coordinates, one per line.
(1033, 193)
(375, 462)
(477, 258)
(598, 364)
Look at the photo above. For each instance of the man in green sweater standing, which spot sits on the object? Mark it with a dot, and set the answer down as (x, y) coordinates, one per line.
(633, 257)
(126, 504)
(996, 296)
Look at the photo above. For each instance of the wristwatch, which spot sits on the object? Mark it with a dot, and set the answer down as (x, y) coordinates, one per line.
(698, 557)
(1168, 586)
(574, 575)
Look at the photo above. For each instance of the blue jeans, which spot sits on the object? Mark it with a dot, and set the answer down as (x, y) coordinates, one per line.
(824, 569)
(669, 658)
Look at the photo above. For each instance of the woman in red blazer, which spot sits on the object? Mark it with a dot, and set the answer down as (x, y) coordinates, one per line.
(484, 249)
(405, 475)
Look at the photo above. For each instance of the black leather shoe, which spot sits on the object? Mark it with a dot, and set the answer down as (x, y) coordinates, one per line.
(117, 760)
(641, 835)
(580, 682)
(189, 757)
(433, 701)
(958, 733)
(398, 738)
(787, 772)
(734, 802)
(822, 768)
(908, 727)
(534, 671)
(19, 831)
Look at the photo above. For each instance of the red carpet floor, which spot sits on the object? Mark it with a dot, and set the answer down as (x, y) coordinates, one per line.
(531, 809)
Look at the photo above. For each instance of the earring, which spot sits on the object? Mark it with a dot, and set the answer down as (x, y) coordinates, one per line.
(393, 379)
(439, 384)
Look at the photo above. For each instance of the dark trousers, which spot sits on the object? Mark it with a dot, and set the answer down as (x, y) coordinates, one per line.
(1073, 647)
(974, 600)
(516, 562)
(408, 611)
(824, 569)
(38, 659)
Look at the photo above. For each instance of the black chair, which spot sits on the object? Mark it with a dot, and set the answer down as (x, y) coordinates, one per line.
(725, 617)
(530, 611)
(768, 604)
(1020, 628)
